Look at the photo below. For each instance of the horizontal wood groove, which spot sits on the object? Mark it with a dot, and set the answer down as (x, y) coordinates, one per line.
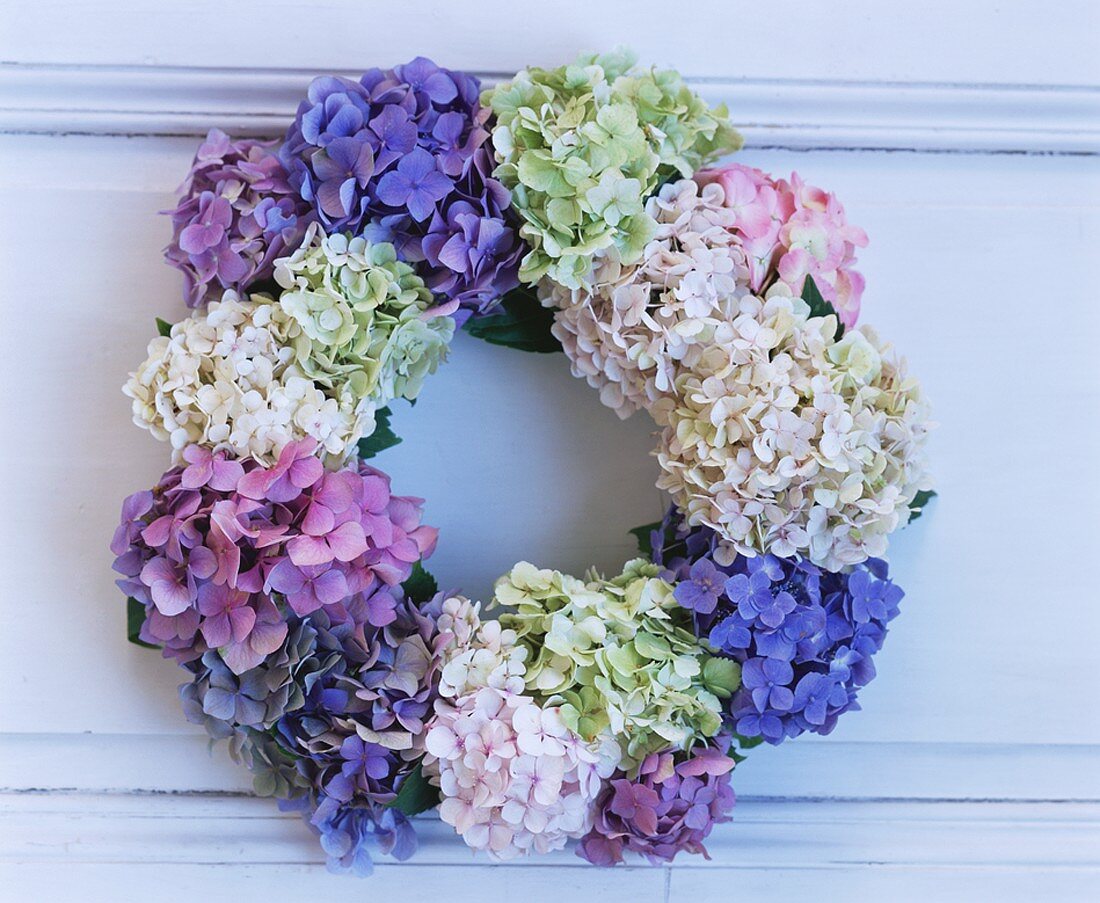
(152, 828)
(807, 770)
(809, 114)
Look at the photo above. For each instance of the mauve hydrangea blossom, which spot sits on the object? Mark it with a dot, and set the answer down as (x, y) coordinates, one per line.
(514, 778)
(206, 549)
(237, 213)
(805, 637)
(226, 378)
(362, 726)
(787, 441)
(669, 807)
(791, 230)
(334, 723)
(402, 155)
(633, 328)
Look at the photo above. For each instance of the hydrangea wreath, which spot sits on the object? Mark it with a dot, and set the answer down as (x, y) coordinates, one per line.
(566, 209)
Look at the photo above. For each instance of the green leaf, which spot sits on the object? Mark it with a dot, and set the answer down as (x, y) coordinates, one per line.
(522, 323)
(382, 438)
(921, 499)
(644, 535)
(819, 307)
(416, 795)
(747, 742)
(164, 327)
(421, 585)
(135, 617)
(743, 744)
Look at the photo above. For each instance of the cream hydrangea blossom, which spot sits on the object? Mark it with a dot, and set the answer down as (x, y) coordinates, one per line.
(514, 778)
(787, 442)
(636, 326)
(227, 378)
(364, 316)
(353, 329)
(618, 657)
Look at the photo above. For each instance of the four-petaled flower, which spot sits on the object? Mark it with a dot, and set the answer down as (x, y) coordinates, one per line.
(753, 595)
(416, 183)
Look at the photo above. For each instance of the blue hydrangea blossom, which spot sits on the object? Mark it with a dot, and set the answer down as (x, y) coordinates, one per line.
(805, 637)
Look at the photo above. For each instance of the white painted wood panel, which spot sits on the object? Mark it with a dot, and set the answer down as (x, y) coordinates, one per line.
(784, 849)
(807, 113)
(981, 267)
(531, 466)
(1004, 42)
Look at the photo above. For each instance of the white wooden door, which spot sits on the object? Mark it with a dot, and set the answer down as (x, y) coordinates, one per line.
(963, 136)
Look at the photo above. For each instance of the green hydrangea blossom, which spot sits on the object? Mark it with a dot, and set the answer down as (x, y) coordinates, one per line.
(618, 656)
(360, 317)
(582, 146)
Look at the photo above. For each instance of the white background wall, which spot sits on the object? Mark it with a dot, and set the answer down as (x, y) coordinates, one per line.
(961, 135)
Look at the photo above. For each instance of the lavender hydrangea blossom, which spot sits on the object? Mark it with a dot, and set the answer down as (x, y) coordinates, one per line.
(805, 637)
(666, 809)
(402, 155)
(277, 588)
(237, 213)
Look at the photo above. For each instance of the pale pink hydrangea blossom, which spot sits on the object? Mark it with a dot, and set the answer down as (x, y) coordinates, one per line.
(514, 778)
(632, 328)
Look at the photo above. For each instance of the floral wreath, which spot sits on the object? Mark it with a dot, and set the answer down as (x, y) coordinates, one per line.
(566, 209)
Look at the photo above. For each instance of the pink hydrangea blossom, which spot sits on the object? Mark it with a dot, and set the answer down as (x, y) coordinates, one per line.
(514, 778)
(222, 551)
(791, 230)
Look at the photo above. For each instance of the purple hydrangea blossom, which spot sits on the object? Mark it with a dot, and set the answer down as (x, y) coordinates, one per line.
(403, 156)
(236, 214)
(222, 552)
(666, 809)
(702, 588)
(805, 637)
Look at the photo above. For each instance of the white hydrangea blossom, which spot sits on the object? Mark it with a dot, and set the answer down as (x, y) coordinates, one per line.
(784, 441)
(636, 326)
(515, 780)
(227, 378)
